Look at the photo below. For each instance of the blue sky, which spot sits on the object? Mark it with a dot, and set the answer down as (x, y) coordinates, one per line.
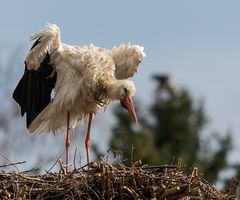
(197, 42)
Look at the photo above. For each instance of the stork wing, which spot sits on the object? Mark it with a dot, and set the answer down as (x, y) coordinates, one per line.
(33, 92)
(127, 58)
(48, 42)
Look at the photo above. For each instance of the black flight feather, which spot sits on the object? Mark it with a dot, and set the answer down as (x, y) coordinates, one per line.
(33, 92)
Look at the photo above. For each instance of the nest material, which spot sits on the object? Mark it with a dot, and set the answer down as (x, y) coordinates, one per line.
(112, 181)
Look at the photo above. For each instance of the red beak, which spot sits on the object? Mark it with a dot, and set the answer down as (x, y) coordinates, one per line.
(128, 104)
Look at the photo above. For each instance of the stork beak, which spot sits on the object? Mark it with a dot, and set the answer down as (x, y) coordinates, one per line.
(127, 103)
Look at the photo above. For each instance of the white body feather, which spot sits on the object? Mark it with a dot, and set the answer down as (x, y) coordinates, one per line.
(86, 77)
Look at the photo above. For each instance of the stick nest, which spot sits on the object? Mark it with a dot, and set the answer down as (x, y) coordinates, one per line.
(112, 181)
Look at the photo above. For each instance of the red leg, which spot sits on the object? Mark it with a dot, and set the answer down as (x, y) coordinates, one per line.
(87, 140)
(68, 140)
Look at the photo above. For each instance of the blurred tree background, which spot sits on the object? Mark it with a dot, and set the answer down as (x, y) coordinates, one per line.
(172, 130)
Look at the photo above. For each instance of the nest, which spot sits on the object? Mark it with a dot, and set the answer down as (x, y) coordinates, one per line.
(102, 180)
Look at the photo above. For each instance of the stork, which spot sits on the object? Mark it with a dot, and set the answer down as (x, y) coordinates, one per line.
(64, 84)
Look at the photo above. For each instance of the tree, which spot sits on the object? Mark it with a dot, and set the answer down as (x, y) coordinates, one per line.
(174, 131)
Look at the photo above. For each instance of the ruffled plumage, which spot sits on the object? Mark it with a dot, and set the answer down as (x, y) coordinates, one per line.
(87, 77)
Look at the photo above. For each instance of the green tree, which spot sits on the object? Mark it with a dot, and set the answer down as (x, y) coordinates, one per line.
(127, 136)
(172, 129)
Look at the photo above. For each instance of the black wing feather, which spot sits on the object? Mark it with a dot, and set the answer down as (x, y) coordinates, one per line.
(33, 92)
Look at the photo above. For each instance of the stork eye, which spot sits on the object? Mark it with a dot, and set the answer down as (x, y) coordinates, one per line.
(125, 92)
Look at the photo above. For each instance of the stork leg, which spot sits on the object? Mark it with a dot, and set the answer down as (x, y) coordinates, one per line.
(87, 140)
(68, 140)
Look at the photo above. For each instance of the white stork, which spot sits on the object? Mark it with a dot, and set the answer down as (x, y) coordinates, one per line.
(83, 78)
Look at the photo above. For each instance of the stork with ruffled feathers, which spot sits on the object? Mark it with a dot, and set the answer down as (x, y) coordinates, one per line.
(83, 78)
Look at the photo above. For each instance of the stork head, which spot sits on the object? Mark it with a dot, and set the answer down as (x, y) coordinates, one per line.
(124, 90)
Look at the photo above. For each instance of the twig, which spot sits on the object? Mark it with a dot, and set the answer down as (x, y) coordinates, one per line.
(159, 167)
(81, 168)
(62, 168)
(47, 171)
(9, 161)
(74, 159)
(30, 170)
(231, 186)
(173, 191)
(10, 164)
(28, 177)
